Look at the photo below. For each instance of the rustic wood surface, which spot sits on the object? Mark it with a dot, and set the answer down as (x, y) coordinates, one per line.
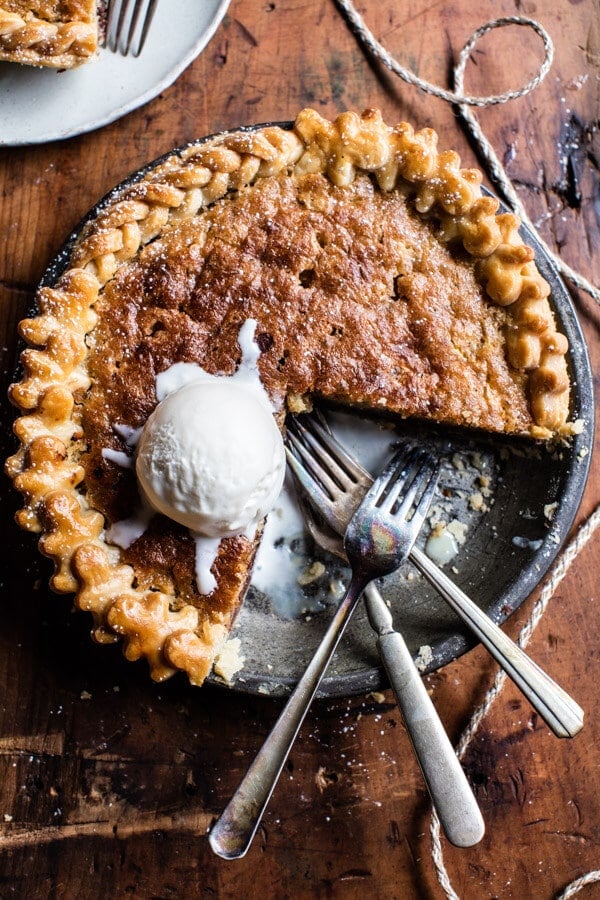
(108, 781)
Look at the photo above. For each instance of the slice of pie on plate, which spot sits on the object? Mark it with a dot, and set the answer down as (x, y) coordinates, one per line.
(59, 34)
(350, 260)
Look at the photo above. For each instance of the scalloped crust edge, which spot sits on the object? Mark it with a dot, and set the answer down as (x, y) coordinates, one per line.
(45, 468)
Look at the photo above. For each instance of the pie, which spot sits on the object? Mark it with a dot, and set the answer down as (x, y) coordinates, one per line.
(379, 277)
(60, 34)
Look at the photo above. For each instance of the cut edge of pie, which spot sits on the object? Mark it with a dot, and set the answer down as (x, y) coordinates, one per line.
(47, 33)
(171, 634)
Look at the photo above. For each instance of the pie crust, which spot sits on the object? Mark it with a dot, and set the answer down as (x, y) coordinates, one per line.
(59, 34)
(293, 228)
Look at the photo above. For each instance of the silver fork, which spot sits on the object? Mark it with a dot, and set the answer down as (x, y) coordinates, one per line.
(377, 540)
(128, 24)
(448, 786)
(316, 446)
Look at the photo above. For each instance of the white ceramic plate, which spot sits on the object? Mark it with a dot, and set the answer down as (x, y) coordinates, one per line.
(39, 105)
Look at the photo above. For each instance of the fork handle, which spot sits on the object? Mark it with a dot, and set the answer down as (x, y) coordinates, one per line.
(232, 833)
(559, 711)
(449, 789)
(448, 786)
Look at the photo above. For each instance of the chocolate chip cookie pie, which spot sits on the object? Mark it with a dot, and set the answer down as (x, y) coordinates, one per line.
(346, 260)
(59, 34)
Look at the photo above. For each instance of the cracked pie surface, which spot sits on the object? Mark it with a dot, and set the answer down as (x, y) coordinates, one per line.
(377, 276)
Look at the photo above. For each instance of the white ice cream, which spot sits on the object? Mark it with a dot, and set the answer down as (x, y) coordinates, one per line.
(211, 457)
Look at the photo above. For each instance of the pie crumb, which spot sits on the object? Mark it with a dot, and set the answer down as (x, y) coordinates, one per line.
(424, 657)
(229, 661)
(377, 696)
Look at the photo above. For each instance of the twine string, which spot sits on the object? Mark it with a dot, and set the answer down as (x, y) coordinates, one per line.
(561, 568)
(465, 104)
(502, 182)
(581, 882)
(496, 170)
(367, 37)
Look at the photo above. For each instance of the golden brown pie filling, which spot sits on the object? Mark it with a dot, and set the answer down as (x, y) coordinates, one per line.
(378, 277)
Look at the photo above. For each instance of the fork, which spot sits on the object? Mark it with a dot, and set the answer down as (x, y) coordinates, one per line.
(377, 540)
(128, 24)
(449, 789)
(317, 447)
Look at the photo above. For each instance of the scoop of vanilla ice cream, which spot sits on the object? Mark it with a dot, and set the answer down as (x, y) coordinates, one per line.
(211, 457)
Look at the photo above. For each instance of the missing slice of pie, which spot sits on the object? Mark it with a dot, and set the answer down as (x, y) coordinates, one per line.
(357, 262)
(59, 34)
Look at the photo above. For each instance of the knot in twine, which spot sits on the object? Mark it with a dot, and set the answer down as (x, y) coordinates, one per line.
(502, 182)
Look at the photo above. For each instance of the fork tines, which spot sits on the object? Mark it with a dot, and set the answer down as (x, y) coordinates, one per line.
(413, 472)
(314, 447)
(329, 475)
(128, 24)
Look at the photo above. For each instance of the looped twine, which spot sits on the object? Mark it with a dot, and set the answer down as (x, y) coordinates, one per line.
(501, 180)
(465, 104)
(569, 555)
(366, 36)
(463, 58)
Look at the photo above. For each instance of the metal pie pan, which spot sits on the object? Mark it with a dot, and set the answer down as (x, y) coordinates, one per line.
(506, 556)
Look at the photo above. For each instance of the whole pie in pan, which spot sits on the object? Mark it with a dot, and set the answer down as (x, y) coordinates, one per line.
(360, 263)
(59, 34)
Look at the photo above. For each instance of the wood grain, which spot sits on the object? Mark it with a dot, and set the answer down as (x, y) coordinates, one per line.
(109, 782)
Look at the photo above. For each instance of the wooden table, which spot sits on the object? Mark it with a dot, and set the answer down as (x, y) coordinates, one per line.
(108, 781)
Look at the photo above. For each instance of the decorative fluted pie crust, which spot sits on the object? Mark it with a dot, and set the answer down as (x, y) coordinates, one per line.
(155, 624)
(59, 34)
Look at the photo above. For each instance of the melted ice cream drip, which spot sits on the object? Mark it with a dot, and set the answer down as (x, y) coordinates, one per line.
(441, 546)
(118, 457)
(277, 566)
(125, 532)
(180, 374)
(282, 555)
(206, 553)
(131, 436)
